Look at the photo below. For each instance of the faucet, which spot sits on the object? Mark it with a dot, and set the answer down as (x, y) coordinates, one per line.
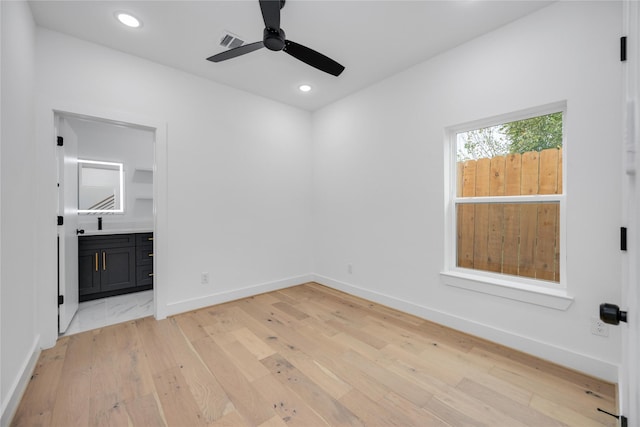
(99, 223)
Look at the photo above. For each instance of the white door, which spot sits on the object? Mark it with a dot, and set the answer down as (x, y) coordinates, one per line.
(629, 378)
(67, 233)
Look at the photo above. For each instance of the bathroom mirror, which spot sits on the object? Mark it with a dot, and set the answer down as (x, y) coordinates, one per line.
(100, 187)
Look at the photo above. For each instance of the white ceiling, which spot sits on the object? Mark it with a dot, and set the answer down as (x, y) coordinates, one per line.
(372, 39)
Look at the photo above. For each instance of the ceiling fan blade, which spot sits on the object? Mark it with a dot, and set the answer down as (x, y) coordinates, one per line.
(313, 58)
(232, 53)
(271, 13)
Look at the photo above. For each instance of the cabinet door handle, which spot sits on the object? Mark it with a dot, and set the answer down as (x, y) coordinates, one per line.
(96, 261)
(150, 274)
(149, 238)
(104, 261)
(151, 254)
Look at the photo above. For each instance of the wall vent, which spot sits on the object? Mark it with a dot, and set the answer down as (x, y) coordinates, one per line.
(230, 40)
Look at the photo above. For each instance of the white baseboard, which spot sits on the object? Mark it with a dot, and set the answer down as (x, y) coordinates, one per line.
(14, 395)
(561, 356)
(226, 296)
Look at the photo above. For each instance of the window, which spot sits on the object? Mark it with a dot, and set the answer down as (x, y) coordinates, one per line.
(506, 200)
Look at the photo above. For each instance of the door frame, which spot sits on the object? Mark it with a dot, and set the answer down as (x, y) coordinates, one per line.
(629, 373)
(46, 273)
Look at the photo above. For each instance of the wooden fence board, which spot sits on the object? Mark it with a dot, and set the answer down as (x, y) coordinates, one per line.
(466, 233)
(528, 230)
(480, 257)
(559, 171)
(530, 173)
(546, 238)
(511, 243)
(513, 179)
(459, 175)
(546, 241)
(548, 181)
(512, 238)
(496, 215)
(513, 175)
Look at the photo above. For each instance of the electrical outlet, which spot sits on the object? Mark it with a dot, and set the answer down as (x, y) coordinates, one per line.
(204, 278)
(598, 327)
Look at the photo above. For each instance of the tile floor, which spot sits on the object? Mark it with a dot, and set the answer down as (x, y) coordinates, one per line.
(109, 311)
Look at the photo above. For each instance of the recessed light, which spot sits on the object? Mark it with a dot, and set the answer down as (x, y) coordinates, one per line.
(128, 20)
(304, 88)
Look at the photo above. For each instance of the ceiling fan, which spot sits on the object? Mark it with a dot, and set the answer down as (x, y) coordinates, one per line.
(275, 39)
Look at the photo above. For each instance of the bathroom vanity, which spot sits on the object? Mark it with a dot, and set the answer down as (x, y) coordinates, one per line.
(114, 264)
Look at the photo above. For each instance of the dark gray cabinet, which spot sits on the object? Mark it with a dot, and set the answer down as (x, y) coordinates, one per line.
(113, 264)
(144, 259)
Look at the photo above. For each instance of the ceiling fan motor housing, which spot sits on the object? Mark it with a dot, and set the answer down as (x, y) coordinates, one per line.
(274, 40)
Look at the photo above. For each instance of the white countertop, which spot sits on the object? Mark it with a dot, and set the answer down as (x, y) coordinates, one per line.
(116, 231)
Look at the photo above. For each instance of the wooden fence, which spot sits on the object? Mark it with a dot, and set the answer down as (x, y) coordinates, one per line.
(520, 239)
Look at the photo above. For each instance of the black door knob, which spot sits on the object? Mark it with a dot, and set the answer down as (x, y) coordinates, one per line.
(79, 231)
(611, 314)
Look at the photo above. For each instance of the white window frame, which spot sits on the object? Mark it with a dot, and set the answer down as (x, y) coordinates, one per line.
(534, 291)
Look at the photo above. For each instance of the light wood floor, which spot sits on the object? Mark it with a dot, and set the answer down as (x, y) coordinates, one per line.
(304, 356)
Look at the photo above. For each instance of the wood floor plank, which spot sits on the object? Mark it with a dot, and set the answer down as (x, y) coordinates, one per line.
(418, 416)
(255, 345)
(41, 392)
(153, 336)
(405, 388)
(244, 396)
(321, 375)
(372, 413)
(203, 385)
(178, 404)
(569, 396)
(145, 411)
(568, 416)
(331, 410)
(246, 361)
(232, 419)
(506, 405)
(73, 391)
(302, 356)
(290, 310)
(290, 407)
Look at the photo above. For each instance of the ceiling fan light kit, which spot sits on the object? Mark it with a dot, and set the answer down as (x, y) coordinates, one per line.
(275, 39)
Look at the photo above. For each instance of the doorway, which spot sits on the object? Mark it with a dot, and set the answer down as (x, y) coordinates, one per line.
(96, 144)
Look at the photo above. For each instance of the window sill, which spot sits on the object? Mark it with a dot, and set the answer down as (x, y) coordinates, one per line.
(538, 295)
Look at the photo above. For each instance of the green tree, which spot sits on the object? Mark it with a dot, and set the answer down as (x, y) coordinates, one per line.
(534, 134)
(482, 143)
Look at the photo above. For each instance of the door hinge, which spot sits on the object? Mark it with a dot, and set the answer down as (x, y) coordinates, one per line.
(623, 238)
(60, 220)
(623, 48)
(60, 141)
(60, 299)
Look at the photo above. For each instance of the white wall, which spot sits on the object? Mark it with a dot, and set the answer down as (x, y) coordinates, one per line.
(134, 148)
(378, 192)
(239, 169)
(18, 336)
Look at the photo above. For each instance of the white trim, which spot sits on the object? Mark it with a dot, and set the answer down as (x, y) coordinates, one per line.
(46, 110)
(17, 389)
(561, 356)
(226, 296)
(524, 289)
(530, 293)
(537, 198)
(541, 110)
